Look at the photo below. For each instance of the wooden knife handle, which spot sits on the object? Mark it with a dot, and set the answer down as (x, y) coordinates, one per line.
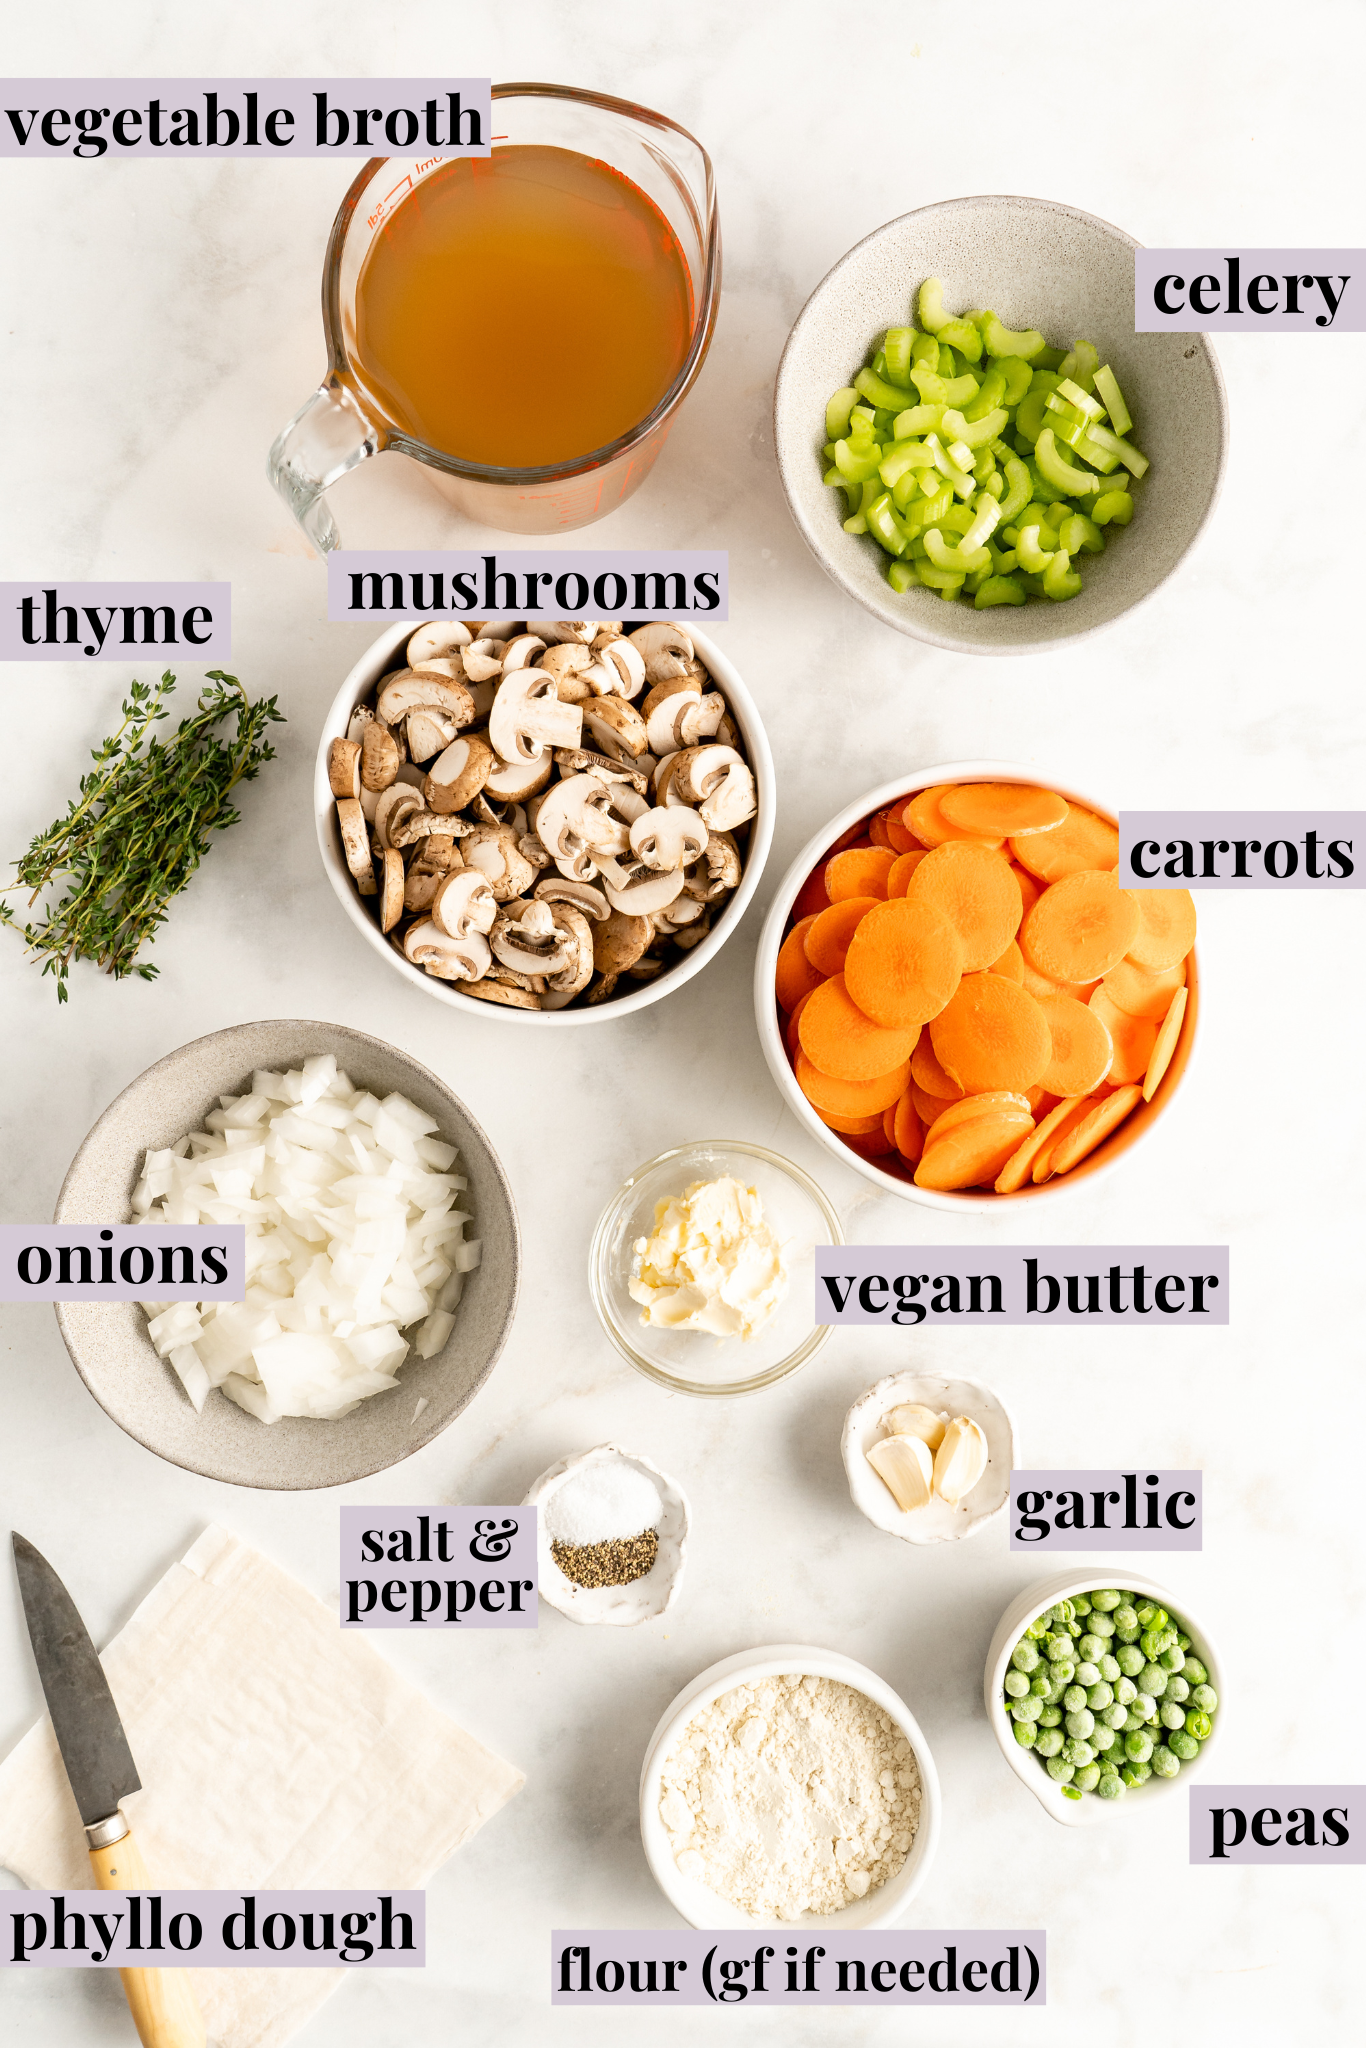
(162, 2002)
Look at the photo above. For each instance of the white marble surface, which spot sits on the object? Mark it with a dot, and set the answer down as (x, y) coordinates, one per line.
(162, 324)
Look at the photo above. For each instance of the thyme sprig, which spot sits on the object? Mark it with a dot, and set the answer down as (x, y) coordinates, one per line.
(139, 827)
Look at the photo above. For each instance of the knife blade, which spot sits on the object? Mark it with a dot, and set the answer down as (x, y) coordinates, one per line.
(85, 1720)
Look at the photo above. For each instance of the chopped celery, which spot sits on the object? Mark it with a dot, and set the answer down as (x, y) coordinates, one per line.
(1113, 399)
(979, 489)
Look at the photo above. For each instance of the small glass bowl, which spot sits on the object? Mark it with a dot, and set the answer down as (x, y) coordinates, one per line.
(691, 1361)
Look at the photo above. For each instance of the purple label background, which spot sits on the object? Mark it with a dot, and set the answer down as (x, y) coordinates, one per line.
(1152, 264)
(950, 1955)
(215, 598)
(507, 1556)
(228, 1239)
(1116, 1537)
(520, 563)
(963, 1261)
(213, 1910)
(1136, 827)
(1253, 1798)
(296, 94)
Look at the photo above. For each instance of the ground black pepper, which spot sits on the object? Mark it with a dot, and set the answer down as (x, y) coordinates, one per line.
(607, 1564)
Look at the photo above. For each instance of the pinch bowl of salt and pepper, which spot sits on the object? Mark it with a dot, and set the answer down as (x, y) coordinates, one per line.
(612, 1536)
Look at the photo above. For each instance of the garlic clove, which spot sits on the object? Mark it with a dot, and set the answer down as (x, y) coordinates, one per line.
(911, 1419)
(960, 1460)
(904, 1466)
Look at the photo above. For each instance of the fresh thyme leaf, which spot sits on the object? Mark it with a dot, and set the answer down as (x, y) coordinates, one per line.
(139, 827)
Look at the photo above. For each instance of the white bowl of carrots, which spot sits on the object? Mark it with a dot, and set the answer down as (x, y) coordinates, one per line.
(954, 994)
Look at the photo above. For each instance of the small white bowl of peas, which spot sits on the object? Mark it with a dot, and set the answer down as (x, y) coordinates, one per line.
(1119, 1684)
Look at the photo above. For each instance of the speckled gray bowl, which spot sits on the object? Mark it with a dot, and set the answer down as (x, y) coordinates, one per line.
(108, 1341)
(1039, 264)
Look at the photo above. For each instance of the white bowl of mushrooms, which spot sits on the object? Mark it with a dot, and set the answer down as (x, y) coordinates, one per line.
(563, 820)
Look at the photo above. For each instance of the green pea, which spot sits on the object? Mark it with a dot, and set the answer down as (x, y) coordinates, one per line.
(1027, 1709)
(1177, 1688)
(1182, 1744)
(1125, 1692)
(1104, 1739)
(1172, 1716)
(1106, 1600)
(1173, 1659)
(1017, 1685)
(1125, 1634)
(1125, 1616)
(1183, 1642)
(1024, 1656)
(1061, 1772)
(1049, 1741)
(1130, 1660)
(1074, 1697)
(1040, 1686)
(1099, 1695)
(1205, 1697)
(1165, 1763)
(1115, 1716)
(1060, 1613)
(1088, 1675)
(1025, 1733)
(1154, 1641)
(1037, 1630)
(1138, 1747)
(1199, 1725)
(1145, 1706)
(1111, 1786)
(1051, 1717)
(1075, 1629)
(1080, 1723)
(1070, 1792)
(1087, 1778)
(1081, 1604)
(1077, 1752)
(1109, 1669)
(1195, 1671)
(1101, 1625)
(1132, 1719)
(1057, 1649)
(1147, 1614)
(1062, 1678)
(1152, 1679)
(1090, 1647)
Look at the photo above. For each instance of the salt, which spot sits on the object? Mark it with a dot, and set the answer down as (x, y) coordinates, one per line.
(602, 1503)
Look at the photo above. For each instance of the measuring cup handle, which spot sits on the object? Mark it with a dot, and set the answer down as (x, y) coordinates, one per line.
(328, 435)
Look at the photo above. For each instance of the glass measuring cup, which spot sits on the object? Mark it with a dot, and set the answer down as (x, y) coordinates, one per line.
(342, 422)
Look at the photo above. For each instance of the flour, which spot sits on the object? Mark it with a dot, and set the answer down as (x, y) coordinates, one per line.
(793, 1795)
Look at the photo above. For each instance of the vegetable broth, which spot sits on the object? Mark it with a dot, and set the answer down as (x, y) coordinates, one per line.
(522, 309)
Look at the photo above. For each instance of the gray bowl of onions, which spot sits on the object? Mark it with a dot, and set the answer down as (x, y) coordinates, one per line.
(110, 1342)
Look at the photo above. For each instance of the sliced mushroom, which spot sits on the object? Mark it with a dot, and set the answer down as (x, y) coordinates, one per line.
(449, 958)
(669, 838)
(628, 803)
(390, 889)
(439, 637)
(429, 729)
(522, 651)
(493, 851)
(579, 895)
(602, 991)
(358, 721)
(568, 663)
(527, 717)
(666, 648)
(616, 725)
(569, 629)
(419, 890)
(458, 774)
(511, 978)
(414, 826)
(395, 804)
(409, 689)
(718, 782)
(718, 872)
(531, 848)
(438, 853)
(625, 660)
(465, 903)
(573, 817)
(534, 942)
(512, 782)
(699, 721)
(576, 974)
(578, 760)
(483, 659)
(343, 768)
(637, 891)
(607, 632)
(648, 969)
(683, 910)
(355, 838)
(662, 776)
(693, 934)
(619, 941)
(501, 992)
(379, 756)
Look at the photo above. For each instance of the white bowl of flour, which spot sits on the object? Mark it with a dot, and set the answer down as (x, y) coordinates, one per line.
(789, 1786)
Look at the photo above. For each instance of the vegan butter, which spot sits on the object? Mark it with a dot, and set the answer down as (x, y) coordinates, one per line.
(711, 1263)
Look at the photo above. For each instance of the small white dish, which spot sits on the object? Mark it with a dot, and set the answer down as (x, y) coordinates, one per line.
(936, 1522)
(644, 1599)
(695, 1901)
(1088, 1811)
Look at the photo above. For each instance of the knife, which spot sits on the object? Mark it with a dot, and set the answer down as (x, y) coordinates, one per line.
(100, 1766)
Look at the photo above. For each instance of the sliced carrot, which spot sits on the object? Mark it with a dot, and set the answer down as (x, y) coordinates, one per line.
(929, 1108)
(1083, 840)
(1094, 1128)
(841, 1041)
(873, 1145)
(811, 897)
(828, 936)
(972, 886)
(1133, 1039)
(993, 1102)
(1041, 1102)
(898, 838)
(1010, 964)
(908, 1131)
(1003, 810)
(1165, 1045)
(859, 871)
(1079, 1107)
(851, 1126)
(925, 819)
(792, 1028)
(796, 977)
(1080, 928)
(856, 835)
(1143, 994)
(1031, 888)
(1166, 927)
(850, 1098)
(1040, 985)
(1083, 1052)
(901, 870)
(991, 1035)
(904, 963)
(877, 830)
(889, 1125)
(970, 1154)
(927, 1073)
(1020, 1164)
